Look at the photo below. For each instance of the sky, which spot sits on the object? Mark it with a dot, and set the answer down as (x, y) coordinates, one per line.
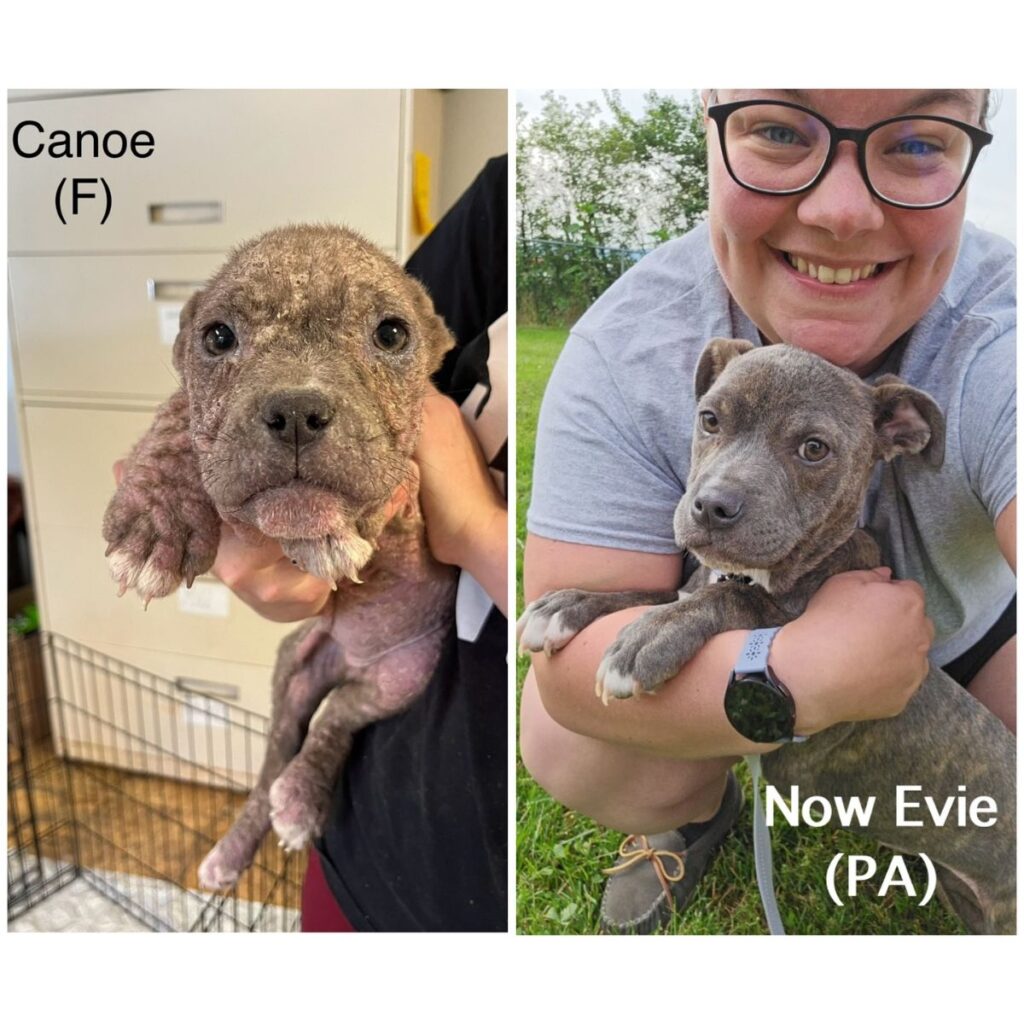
(991, 192)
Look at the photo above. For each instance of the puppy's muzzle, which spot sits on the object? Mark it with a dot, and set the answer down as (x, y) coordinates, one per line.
(297, 418)
(716, 509)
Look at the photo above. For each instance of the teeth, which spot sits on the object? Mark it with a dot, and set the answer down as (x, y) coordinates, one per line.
(832, 275)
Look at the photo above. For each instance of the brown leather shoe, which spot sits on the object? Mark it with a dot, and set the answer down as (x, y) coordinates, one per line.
(656, 875)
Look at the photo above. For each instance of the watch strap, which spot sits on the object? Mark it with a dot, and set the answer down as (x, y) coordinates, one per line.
(754, 656)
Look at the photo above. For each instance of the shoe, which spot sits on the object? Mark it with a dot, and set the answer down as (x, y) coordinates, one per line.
(657, 875)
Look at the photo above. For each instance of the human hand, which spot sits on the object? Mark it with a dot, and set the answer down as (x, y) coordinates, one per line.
(466, 518)
(264, 578)
(858, 652)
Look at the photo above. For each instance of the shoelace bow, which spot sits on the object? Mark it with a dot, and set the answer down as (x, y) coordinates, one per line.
(632, 855)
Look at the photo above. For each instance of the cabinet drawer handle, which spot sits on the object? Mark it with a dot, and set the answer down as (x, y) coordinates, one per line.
(186, 213)
(171, 291)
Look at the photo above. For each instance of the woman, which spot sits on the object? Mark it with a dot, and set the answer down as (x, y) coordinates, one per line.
(852, 245)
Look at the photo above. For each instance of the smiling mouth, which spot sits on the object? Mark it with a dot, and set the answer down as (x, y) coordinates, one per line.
(824, 274)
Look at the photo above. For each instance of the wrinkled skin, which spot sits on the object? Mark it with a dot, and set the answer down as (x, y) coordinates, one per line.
(305, 362)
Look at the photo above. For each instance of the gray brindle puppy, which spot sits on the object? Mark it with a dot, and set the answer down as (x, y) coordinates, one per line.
(305, 362)
(783, 450)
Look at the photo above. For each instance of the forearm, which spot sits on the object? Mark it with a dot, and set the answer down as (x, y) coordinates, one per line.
(485, 555)
(859, 651)
(685, 719)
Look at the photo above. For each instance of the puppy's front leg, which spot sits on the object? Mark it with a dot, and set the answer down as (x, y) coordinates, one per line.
(651, 650)
(160, 526)
(551, 621)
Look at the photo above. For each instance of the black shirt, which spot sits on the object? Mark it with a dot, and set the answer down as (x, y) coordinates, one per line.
(417, 835)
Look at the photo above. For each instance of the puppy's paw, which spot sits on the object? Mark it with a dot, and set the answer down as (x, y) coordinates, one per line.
(637, 662)
(152, 550)
(551, 621)
(298, 806)
(649, 652)
(134, 571)
(331, 558)
(612, 683)
(543, 627)
(221, 868)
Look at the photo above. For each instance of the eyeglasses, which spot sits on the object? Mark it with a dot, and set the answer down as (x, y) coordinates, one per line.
(777, 148)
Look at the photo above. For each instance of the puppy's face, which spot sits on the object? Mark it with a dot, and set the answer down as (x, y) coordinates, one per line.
(306, 359)
(783, 447)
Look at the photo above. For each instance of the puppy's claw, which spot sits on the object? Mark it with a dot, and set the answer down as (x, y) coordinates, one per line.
(612, 683)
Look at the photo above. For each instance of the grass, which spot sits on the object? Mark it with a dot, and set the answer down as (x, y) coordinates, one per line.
(560, 853)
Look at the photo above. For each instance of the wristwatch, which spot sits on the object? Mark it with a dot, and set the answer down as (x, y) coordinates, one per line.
(757, 703)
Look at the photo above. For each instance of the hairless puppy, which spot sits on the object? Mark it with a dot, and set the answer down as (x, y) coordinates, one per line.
(783, 449)
(304, 362)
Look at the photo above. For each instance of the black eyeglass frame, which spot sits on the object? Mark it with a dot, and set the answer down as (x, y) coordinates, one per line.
(719, 113)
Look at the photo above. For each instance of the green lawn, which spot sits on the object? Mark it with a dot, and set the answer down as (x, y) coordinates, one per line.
(560, 853)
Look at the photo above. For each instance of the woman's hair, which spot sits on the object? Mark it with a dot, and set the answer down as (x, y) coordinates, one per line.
(989, 105)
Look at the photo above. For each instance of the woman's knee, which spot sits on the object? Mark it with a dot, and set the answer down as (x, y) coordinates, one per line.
(543, 744)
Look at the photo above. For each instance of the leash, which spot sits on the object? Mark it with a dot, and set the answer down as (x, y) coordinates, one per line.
(763, 852)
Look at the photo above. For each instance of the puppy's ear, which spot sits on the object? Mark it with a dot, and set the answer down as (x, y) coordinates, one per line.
(717, 353)
(907, 422)
(184, 333)
(436, 335)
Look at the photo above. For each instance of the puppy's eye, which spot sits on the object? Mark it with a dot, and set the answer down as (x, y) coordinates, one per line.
(219, 339)
(813, 450)
(709, 421)
(391, 336)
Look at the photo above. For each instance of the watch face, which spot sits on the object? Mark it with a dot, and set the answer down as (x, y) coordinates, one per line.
(759, 709)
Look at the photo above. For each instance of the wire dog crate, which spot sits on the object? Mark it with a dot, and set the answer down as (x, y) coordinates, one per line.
(126, 780)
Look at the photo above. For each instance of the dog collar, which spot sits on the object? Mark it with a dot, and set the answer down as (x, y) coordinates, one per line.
(730, 577)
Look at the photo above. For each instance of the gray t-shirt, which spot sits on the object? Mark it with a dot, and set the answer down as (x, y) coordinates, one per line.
(613, 440)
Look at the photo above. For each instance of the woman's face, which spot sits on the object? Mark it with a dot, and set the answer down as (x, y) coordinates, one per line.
(838, 224)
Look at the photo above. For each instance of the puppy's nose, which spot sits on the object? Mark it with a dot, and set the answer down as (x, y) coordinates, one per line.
(716, 510)
(297, 417)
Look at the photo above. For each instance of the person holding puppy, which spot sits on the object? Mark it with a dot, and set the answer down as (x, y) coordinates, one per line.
(835, 224)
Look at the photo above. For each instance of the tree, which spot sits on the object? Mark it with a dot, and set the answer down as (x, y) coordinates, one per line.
(596, 190)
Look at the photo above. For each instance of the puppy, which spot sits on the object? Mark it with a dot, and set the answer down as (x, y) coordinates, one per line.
(304, 363)
(783, 448)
